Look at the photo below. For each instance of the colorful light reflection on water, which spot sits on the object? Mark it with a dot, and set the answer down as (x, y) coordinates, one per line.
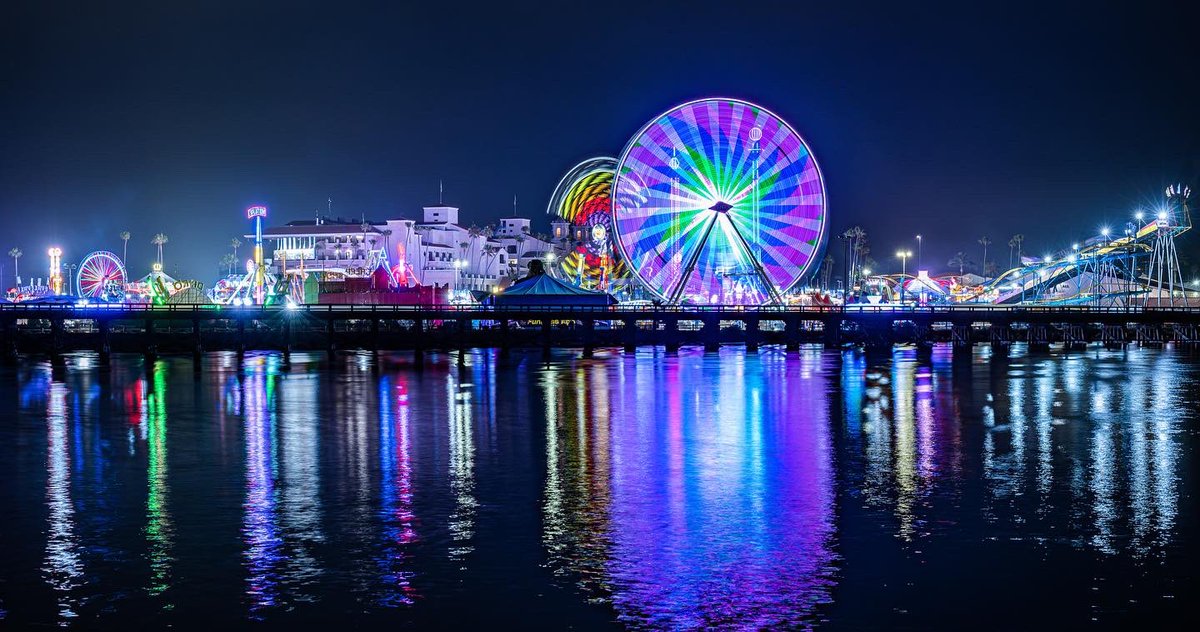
(819, 489)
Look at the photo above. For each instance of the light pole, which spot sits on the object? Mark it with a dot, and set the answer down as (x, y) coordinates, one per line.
(904, 255)
(918, 253)
(458, 264)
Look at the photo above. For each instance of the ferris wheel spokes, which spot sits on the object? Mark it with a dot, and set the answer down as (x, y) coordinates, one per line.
(692, 259)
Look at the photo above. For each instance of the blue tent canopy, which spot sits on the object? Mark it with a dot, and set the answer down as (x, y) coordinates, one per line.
(543, 289)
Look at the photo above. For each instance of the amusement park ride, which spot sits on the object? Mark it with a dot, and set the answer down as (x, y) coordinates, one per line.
(375, 281)
(714, 202)
(1138, 267)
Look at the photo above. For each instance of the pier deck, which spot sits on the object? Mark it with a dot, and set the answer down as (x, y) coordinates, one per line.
(196, 328)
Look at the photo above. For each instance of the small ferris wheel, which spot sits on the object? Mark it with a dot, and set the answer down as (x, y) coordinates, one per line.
(101, 275)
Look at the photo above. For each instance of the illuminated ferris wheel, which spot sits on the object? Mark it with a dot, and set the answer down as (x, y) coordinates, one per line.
(719, 201)
(583, 200)
(101, 275)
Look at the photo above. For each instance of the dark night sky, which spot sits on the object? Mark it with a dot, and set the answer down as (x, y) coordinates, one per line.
(953, 121)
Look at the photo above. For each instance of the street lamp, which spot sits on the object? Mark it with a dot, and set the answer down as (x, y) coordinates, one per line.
(904, 255)
(458, 266)
(918, 252)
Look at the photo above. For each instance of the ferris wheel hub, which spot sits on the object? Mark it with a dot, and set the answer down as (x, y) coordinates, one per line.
(720, 207)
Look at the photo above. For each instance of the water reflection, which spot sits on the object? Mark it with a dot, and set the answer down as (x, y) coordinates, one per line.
(1104, 429)
(63, 567)
(396, 515)
(578, 495)
(160, 533)
(672, 492)
(300, 482)
(462, 469)
(685, 490)
(260, 530)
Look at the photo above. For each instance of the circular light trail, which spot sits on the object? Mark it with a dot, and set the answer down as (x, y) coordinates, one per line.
(582, 199)
(719, 201)
(101, 275)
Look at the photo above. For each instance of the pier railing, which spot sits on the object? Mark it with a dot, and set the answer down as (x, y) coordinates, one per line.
(189, 310)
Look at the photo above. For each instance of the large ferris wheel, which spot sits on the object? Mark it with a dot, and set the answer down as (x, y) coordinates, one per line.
(719, 201)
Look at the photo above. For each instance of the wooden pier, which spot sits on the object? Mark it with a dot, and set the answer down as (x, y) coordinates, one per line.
(55, 329)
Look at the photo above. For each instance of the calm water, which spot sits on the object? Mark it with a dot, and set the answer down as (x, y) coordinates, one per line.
(820, 489)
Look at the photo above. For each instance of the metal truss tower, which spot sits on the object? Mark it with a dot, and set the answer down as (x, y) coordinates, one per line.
(1164, 274)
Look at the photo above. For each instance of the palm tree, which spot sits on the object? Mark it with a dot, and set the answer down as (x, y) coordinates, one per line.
(16, 253)
(365, 226)
(235, 243)
(858, 251)
(1015, 242)
(985, 242)
(959, 260)
(159, 240)
(228, 261)
(826, 272)
(124, 247)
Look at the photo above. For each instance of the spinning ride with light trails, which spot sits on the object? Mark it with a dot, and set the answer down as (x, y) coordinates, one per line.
(583, 200)
(719, 201)
(101, 276)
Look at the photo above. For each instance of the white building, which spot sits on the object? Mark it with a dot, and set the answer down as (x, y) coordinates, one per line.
(521, 244)
(436, 251)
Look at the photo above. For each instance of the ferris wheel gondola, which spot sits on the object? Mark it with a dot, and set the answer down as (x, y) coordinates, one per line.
(719, 200)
